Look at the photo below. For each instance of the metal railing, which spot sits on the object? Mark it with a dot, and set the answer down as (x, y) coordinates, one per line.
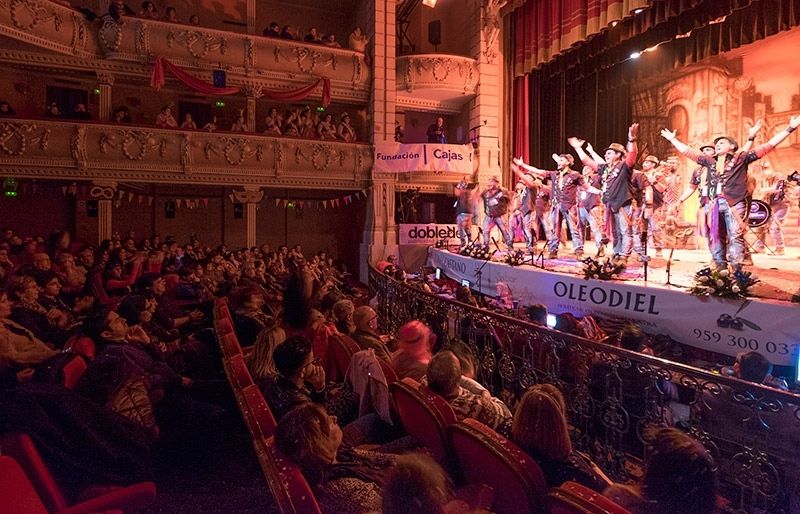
(616, 397)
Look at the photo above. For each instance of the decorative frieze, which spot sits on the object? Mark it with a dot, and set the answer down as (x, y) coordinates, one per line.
(442, 78)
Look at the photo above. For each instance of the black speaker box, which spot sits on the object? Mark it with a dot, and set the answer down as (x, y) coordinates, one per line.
(435, 32)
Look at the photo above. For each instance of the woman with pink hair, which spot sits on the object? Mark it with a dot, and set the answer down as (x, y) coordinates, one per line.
(414, 343)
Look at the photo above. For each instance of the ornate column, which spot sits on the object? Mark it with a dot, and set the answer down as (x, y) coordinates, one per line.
(380, 230)
(103, 192)
(250, 196)
(253, 92)
(251, 17)
(105, 83)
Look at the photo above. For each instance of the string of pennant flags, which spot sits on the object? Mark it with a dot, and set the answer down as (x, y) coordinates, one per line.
(193, 203)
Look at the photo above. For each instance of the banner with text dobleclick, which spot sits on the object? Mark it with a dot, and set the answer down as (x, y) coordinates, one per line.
(428, 233)
(404, 158)
(771, 327)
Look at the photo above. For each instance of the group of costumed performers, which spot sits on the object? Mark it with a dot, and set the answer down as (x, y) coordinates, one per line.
(617, 202)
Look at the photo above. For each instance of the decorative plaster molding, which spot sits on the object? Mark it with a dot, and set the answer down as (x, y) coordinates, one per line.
(415, 103)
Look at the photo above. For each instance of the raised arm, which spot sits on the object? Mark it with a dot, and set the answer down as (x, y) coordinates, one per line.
(751, 135)
(631, 147)
(577, 144)
(594, 155)
(778, 138)
(683, 148)
(532, 169)
(523, 177)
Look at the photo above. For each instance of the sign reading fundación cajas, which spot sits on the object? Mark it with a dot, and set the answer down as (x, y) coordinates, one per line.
(404, 158)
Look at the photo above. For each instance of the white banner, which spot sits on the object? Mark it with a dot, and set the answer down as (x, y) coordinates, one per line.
(770, 328)
(403, 158)
(413, 234)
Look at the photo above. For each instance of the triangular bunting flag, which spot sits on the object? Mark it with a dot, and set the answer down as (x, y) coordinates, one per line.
(141, 197)
(149, 200)
(277, 202)
(205, 202)
(64, 190)
(325, 204)
(130, 197)
(120, 194)
(178, 203)
(302, 203)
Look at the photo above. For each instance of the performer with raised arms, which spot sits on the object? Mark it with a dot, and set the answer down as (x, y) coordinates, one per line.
(616, 191)
(495, 204)
(725, 179)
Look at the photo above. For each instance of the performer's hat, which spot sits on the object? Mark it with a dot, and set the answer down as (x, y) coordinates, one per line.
(569, 157)
(707, 146)
(617, 148)
(653, 159)
(728, 139)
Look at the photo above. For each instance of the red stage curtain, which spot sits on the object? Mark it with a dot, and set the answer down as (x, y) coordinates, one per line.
(157, 81)
(521, 121)
(546, 28)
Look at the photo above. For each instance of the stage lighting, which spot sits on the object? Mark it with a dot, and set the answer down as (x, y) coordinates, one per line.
(637, 11)
(636, 55)
(429, 3)
(551, 320)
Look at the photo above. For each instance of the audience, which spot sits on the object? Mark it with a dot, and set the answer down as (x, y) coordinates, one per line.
(273, 30)
(165, 119)
(414, 350)
(358, 41)
(365, 333)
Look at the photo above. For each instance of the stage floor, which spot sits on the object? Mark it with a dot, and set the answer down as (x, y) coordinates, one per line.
(779, 275)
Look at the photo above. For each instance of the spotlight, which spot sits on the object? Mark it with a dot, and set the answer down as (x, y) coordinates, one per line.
(551, 320)
(614, 23)
(639, 10)
(636, 55)
(429, 3)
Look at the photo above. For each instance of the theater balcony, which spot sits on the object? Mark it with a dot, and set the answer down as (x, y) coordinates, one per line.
(48, 25)
(435, 82)
(70, 150)
(270, 61)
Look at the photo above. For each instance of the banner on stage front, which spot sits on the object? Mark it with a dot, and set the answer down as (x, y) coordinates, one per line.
(404, 158)
(693, 320)
(428, 234)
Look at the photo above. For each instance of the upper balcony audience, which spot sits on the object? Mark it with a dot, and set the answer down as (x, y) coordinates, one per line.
(149, 10)
(273, 30)
(165, 118)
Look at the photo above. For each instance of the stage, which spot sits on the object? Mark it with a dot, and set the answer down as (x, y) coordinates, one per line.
(657, 307)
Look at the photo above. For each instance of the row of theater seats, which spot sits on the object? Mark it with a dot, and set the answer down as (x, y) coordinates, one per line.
(471, 452)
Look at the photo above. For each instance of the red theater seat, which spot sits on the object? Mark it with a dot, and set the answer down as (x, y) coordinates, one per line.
(73, 371)
(24, 455)
(340, 350)
(261, 422)
(230, 345)
(425, 416)
(289, 487)
(574, 498)
(487, 457)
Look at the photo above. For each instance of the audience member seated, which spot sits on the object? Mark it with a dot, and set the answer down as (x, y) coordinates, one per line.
(343, 312)
(240, 125)
(467, 398)
(260, 361)
(28, 312)
(121, 115)
(288, 32)
(330, 40)
(273, 30)
(358, 41)
(171, 15)
(80, 112)
(312, 36)
(417, 484)
(679, 477)
(18, 345)
(344, 130)
(165, 119)
(540, 428)
(365, 321)
(119, 8)
(117, 282)
(414, 350)
(249, 317)
(537, 314)
(188, 122)
(325, 128)
(291, 123)
(53, 111)
(273, 123)
(344, 480)
(149, 10)
(211, 126)
(194, 20)
(6, 109)
(301, 379)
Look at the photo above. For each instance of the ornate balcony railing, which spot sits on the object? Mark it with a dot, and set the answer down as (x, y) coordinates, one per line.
(48, 25)
(614, 396)
(260, 58)
(436, 81)
(86, 150)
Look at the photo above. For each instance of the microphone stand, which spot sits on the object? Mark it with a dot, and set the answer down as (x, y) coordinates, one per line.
(643, 241)
(479, 271)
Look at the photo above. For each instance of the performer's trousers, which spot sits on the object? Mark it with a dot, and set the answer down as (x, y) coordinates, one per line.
(729, 239)
(594, 219)
(464, 227)
(621, 230)
(558, 215)
(500, 222)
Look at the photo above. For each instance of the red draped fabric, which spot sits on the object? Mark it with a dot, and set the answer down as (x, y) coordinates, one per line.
(521, 120)
(544, 29)
(157, 81)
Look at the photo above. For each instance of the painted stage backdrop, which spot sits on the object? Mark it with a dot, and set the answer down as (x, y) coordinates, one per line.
(724, 96)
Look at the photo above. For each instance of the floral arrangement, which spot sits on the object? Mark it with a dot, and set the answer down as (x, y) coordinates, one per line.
(476, 251)
(726, 282)
(515, 258)
(601, 270)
